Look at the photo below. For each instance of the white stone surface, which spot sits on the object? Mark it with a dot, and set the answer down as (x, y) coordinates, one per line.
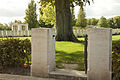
(99, 53)
(43, 52)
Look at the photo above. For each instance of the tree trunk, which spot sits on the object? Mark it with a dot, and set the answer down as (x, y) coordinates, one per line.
(64, 21)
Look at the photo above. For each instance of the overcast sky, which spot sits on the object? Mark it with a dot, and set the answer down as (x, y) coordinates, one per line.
(15, 9)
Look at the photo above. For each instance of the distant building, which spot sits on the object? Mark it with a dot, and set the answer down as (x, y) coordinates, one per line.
(20, 26)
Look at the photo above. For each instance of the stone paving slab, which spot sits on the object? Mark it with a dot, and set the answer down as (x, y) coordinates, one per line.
(69, 72)
(66, 74)
(19, 77)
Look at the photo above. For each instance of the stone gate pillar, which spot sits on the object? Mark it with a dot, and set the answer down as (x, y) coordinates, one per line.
(43, 52)
(99, 54)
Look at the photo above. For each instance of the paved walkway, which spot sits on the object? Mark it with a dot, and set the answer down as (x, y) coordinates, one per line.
(18, 77)
(62, 74)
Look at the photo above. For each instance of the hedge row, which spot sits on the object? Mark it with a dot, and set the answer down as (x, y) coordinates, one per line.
(14, 52)
(116, 60)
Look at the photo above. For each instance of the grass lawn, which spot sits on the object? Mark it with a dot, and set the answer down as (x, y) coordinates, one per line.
(115, 37)
(70, 52)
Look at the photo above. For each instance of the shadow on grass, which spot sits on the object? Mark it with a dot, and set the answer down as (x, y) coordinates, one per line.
(70, 58)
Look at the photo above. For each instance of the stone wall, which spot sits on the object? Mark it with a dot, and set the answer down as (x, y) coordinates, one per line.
(43, 52)
(99, 54)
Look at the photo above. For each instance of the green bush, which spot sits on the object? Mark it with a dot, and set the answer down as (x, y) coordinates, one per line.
(14, 52)
(116, 60)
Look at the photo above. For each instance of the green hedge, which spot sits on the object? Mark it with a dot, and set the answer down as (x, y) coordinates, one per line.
(116, 60)
(14, 52)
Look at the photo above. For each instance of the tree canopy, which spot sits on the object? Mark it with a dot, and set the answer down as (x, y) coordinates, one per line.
(64, 30)
(31, 15)
(116, 21)
(72, 2)
(102, 22)
(42, 23)
(18, 21)
(48, 15)
(111, 23)
(81, 21)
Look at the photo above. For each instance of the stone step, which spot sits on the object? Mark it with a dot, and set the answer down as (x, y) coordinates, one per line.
(65, 74)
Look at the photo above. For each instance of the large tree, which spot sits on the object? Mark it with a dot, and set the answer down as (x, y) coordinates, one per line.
(116, 21)
(102, 22)
(81, 21)
(63, 18)
(92, 21)
(111, 23)
(31, 15)
(48, 15)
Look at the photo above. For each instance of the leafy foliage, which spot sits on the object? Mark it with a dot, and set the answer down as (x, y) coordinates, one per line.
(81, 21)
(111, 23)
(48, 15)
(73, 16)
(18, 21)
(116, 60)
(116, 21)
(31, 15)
(72, 2)
(102, 22)
(4, 27)
(42, 24)
(14, 52)
(92, 21)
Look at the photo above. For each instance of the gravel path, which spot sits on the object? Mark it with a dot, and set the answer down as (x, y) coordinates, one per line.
(19, 77)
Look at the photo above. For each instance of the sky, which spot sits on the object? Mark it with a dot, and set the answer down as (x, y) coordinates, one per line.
(15, 9)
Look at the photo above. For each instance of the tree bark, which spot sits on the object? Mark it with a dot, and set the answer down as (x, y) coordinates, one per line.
(64, 21)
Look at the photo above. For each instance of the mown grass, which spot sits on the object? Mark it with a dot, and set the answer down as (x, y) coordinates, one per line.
(115, 37)
(70, 52)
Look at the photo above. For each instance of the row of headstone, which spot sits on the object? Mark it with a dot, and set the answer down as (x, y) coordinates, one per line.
(83, 32)
(116, 31)
(77, 33)
(14, 33)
